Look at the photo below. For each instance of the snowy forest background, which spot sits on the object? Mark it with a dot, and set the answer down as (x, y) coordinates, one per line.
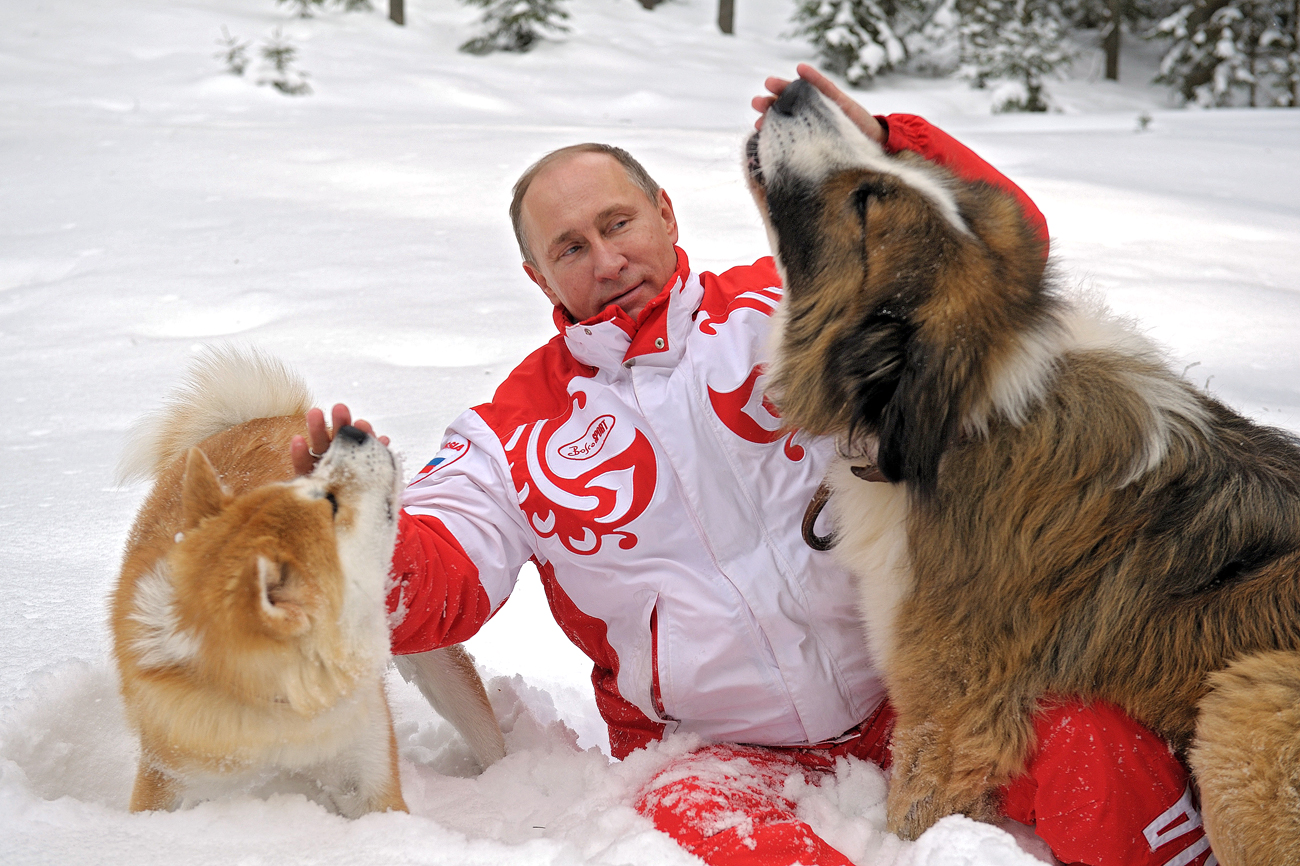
(333, 190)
(1216, 52)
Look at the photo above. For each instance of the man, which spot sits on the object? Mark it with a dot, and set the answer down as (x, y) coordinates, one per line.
(635, 460)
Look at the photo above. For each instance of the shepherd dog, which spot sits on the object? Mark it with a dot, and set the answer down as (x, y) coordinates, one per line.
(249, 622)
(1033, 503)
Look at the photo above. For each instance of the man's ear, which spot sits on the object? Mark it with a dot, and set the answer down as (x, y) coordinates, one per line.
(667, 215)
(537, 277)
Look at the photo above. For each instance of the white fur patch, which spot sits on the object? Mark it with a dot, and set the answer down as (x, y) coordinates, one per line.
(369, 481)
(870, 520)
(1085, 326)
(162, 643)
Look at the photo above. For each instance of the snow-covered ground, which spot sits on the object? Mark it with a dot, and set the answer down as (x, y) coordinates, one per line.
(154, 204)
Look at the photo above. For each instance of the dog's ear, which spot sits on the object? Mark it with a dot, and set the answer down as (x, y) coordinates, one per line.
(923, 417)
(282, 597)
(201, 492)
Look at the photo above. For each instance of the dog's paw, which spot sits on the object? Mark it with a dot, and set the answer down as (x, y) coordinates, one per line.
(920, 798)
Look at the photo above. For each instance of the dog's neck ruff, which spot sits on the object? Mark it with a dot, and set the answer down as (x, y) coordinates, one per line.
(1081, 326)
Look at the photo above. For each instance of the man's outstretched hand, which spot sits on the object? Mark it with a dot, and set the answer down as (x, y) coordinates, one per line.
(305, 451)
(861, 118)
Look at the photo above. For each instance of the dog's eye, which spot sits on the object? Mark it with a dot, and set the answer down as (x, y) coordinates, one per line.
(867, 190)
(333, 500)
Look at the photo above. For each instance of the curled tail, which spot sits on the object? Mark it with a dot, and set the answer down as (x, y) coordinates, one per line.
(225, 386)
(1246, 758)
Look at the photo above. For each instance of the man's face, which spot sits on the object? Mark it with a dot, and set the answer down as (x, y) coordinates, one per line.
(595, 237)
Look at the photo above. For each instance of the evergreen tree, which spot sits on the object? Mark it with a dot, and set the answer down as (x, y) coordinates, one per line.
(278, 70)
(233, 53)
(1234, 52)
(306, 7)
(1018, 42)
(515, 25)
(303, 7)
(858, 39)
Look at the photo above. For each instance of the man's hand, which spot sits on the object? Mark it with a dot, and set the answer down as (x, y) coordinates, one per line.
(305, 451)
(861, 118)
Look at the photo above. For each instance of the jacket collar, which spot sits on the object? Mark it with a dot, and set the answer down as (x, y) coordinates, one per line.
(612, 339)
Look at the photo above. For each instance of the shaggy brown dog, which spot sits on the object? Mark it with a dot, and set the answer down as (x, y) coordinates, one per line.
(249, 622)
(1065, 515)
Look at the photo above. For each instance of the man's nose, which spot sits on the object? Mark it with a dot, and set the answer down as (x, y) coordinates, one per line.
(607, 260)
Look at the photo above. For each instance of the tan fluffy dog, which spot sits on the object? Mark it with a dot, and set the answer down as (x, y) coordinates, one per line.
(1063, 514)
(249, 621)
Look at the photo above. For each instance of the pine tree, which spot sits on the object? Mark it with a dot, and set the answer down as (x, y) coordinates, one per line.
(233, 53)
(306, 7)
(1234, 52)
(515, 25)
(1017, 42)
(279, 72)
(858, 39)
(303, 7)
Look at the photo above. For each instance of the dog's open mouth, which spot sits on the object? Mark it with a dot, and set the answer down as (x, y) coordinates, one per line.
(752, 164)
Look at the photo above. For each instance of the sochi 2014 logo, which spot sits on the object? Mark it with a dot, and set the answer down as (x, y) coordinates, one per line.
(581, 479)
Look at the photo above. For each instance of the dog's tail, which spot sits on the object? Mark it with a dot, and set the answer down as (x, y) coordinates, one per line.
(1247, 760)
(226, 386)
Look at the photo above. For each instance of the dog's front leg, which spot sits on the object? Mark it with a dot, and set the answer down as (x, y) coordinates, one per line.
(928, 783)
(956, 744)
(154, 789)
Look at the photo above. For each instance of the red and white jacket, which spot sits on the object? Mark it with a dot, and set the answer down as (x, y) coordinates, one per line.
(639, 465)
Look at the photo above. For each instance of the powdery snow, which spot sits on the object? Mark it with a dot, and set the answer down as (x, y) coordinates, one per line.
(155, 204)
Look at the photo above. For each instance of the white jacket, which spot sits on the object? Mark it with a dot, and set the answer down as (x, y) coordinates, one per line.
(641, 468)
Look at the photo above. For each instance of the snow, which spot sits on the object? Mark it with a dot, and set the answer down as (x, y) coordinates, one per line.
(155, 204)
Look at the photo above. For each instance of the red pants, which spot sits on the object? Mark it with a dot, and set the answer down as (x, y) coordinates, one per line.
(1101, 790)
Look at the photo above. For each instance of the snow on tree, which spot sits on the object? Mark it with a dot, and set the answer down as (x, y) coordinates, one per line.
(856, 38)
(1014, 45)
(515, 25)
(1234, 52)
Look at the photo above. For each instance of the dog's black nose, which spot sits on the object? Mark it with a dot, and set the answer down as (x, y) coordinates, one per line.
(796, 94)
(352, 434)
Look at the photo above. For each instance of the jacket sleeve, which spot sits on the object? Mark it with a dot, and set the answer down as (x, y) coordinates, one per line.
(461, 541)
(909, 132)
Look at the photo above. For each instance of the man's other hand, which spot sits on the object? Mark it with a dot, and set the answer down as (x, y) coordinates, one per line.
(305, 451)
(861, 118)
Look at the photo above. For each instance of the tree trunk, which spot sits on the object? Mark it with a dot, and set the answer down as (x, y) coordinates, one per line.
(1110, 42)
(397, 11)
(727, 16)
(1295, 51)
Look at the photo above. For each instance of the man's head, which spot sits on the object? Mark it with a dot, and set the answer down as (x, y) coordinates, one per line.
(594, 229)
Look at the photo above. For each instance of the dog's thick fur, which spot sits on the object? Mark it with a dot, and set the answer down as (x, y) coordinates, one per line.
(1065, 515)
(249, 621)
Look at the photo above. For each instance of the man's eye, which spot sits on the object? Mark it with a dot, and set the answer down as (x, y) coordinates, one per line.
(568, 251)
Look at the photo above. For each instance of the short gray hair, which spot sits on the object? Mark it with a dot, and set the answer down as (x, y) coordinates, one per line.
(635, 173)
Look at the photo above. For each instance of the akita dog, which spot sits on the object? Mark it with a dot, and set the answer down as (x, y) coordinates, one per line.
(1034, 502)
(249, 622)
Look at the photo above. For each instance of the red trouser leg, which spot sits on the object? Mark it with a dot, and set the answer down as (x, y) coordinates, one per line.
(725, 805)
(1103, 790)
(1100, 789)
